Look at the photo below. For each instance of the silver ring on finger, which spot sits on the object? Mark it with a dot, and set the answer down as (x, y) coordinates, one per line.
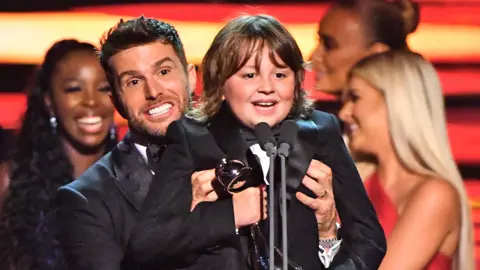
(324, 194)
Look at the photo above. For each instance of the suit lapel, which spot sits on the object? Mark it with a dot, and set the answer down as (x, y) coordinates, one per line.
(301, 154)
(131, 173)
(205, 153)
(226, 130)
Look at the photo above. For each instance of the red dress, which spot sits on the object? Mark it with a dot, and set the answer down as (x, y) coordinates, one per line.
(387, 215)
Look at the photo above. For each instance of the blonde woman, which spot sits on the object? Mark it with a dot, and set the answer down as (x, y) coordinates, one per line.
(394, 112)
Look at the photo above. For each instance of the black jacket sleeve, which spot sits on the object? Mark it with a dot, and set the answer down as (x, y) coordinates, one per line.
(166, 228)
(364, 243)
(85, 232)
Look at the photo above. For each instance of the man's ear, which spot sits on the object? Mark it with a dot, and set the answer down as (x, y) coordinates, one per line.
(378, 47)
(117, 104)
(110, 95)
(192, 77)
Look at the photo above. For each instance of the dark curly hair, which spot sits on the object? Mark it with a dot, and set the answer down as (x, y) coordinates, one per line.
(40, 166)
(6, 138)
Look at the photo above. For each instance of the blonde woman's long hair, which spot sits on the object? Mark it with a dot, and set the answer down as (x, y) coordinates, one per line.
(416, 115)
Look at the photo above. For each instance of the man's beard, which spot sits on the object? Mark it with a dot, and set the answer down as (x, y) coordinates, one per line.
(141, 128)
(138, 124)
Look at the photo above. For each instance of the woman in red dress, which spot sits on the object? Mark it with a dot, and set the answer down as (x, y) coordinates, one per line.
(394, 114)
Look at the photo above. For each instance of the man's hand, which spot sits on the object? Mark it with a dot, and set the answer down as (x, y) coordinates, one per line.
(249, 206)
(319, 181)
(202, 189)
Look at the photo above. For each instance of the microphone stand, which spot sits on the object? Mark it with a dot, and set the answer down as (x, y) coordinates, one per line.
(287, 138)
(271, 208)
(283, 153)
(283, 194)
(269, 143)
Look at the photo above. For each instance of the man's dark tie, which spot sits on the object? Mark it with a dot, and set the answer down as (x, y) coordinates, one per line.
(154, 153)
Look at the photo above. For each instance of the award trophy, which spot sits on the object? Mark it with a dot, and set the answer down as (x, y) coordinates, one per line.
(234, 176)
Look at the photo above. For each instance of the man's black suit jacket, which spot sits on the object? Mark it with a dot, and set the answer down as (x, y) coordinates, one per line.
(98, 212)
(193, 147)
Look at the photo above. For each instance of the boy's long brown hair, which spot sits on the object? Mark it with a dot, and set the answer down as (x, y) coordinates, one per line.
(242, 38)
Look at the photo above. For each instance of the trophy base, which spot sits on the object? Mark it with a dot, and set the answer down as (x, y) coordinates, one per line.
(259, 253)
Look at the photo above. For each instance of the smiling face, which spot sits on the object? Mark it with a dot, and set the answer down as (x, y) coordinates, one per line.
(263, 94)
(342, 43)
(366, 117)
(80, 99)
(153, 86)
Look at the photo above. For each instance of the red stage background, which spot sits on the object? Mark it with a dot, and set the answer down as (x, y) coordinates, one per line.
(449, 35)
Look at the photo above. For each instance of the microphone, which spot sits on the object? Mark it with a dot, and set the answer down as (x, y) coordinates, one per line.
(267, 142)
(288, 134)
(265, 138)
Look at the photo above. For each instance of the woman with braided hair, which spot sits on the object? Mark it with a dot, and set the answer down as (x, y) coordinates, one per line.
(68, 125)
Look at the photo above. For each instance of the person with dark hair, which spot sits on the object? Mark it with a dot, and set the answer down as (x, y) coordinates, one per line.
(68, 125)
(6, 144)
(6, 140)
(354, 29)
(97, 213)
(253, 73)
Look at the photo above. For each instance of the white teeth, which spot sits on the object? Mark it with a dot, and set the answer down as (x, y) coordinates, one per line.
(266, 104)
(90, 120)
(160, 109)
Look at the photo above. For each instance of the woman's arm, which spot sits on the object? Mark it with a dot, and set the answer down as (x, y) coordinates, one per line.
(429, 217)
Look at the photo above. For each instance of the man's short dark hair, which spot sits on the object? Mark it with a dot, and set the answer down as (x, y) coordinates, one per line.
(134, 33)
(138, 32)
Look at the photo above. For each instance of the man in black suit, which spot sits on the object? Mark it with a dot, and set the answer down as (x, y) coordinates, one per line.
(146, 65)
(363, 242)
(105, 217)
(223, 128)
